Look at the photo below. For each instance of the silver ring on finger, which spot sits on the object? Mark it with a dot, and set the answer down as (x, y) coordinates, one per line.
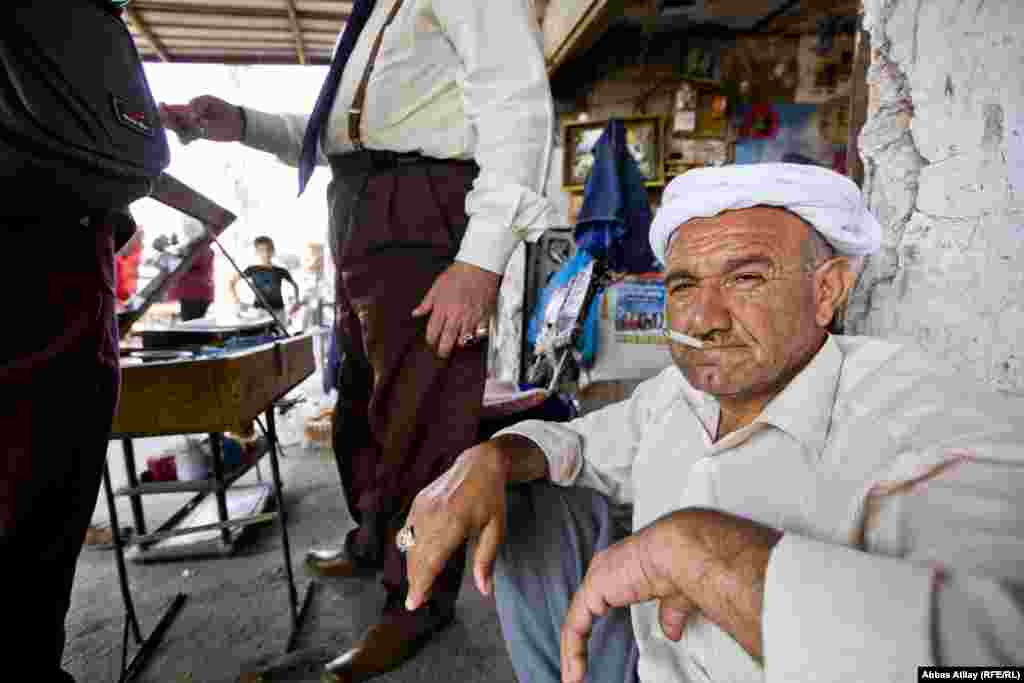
(405, 539)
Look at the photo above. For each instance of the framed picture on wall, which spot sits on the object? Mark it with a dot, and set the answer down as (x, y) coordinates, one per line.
(644, 137)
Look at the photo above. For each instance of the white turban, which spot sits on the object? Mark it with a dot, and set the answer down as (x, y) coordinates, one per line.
(830, 202)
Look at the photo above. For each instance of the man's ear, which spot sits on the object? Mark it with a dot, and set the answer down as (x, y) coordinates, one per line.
(833, 282)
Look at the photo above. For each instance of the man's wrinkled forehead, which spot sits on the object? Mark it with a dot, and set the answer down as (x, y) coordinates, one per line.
(760, 224)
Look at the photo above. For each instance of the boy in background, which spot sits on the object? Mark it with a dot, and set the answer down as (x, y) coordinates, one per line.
(267, 278)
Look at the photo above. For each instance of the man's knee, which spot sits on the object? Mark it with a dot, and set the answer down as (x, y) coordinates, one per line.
(546, 524)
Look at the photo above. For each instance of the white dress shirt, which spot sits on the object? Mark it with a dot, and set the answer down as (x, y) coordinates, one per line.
(899, 486)
(453, 80)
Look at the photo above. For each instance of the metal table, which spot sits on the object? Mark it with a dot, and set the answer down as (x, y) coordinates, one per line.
(209, 395)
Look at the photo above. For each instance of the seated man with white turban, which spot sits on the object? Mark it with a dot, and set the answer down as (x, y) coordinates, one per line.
(805, 507)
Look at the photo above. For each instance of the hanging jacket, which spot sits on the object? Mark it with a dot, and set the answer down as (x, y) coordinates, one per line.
(615, 219)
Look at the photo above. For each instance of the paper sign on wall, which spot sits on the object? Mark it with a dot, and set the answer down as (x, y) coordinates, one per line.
(640, 313)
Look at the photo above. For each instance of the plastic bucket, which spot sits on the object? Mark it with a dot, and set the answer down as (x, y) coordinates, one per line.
(192, 464)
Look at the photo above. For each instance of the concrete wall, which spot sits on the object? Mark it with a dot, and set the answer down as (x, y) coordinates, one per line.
(946, 103)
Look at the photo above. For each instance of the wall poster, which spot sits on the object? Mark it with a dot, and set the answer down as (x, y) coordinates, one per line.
(799, 133)
(640, 313)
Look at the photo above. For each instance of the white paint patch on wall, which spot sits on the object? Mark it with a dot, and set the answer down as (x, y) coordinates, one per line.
(944, 174)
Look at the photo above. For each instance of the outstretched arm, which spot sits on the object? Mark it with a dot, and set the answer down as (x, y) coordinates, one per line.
(468, 502)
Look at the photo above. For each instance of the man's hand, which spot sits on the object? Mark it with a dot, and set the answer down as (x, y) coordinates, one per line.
(690, 561)
(209, 116)
(467, 501)
(462, 298)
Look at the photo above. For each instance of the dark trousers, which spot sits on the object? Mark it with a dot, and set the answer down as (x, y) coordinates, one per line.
(193, 308)
(59, 378)
(404, 414)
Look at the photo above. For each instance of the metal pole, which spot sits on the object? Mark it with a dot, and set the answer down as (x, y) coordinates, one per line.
(306, 600)
(122, 573)
(138, 515)
(221, 492)
(231, 523)
(142, 656)
(282, 517)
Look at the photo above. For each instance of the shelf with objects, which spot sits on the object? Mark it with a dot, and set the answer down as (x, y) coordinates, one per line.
(201, 377)
(700, 131)
(792, 91)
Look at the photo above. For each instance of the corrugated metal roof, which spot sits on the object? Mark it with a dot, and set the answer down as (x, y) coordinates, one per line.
(237, 31)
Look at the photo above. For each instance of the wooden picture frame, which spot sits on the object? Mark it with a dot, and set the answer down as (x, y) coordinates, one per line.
(645, 135)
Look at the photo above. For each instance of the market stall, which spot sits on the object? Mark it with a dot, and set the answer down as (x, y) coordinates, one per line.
(674, 87)
(200, 377)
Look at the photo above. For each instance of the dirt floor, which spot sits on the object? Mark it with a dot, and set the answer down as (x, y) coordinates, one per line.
(237, 608)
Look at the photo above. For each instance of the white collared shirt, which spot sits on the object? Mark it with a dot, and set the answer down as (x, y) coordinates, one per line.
(886, 473)
(453, 80)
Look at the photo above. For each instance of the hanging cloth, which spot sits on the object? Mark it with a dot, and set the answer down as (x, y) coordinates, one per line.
(615, 220)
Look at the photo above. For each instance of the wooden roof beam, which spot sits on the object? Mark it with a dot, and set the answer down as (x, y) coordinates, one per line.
(141, 27)
(233, 11)
(293, 17)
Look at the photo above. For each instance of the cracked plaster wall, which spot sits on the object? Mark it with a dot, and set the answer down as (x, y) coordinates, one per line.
(945, 85)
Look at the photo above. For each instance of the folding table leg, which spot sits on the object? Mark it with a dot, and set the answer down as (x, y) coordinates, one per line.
(216, 446)
(148, 645)
(282, 517)
(122, 573)
(141, 657)
(138, 515)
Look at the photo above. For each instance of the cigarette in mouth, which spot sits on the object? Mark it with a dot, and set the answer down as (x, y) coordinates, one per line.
(681, 338)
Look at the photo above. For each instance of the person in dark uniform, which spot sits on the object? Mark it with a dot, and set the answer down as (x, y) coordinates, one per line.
(60, 375)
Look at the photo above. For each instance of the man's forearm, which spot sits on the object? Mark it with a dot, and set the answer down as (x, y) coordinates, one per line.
(523, 459)
(719, 561)
(277, 134)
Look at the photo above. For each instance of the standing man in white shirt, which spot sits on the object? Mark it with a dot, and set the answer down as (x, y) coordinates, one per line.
(436, 119)
(805, 507)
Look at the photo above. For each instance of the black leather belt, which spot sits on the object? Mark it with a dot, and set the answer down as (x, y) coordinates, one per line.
(377, 161)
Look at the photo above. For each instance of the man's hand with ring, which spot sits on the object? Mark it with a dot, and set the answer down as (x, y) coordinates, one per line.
(466, 502)
(405, 539)
(460, 303)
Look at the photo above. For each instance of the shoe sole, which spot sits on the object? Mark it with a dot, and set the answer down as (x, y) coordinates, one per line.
(314, 570)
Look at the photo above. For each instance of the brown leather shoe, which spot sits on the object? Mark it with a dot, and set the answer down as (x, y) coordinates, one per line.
(387, 645)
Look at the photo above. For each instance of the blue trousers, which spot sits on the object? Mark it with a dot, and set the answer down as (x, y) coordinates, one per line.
(553, 532)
